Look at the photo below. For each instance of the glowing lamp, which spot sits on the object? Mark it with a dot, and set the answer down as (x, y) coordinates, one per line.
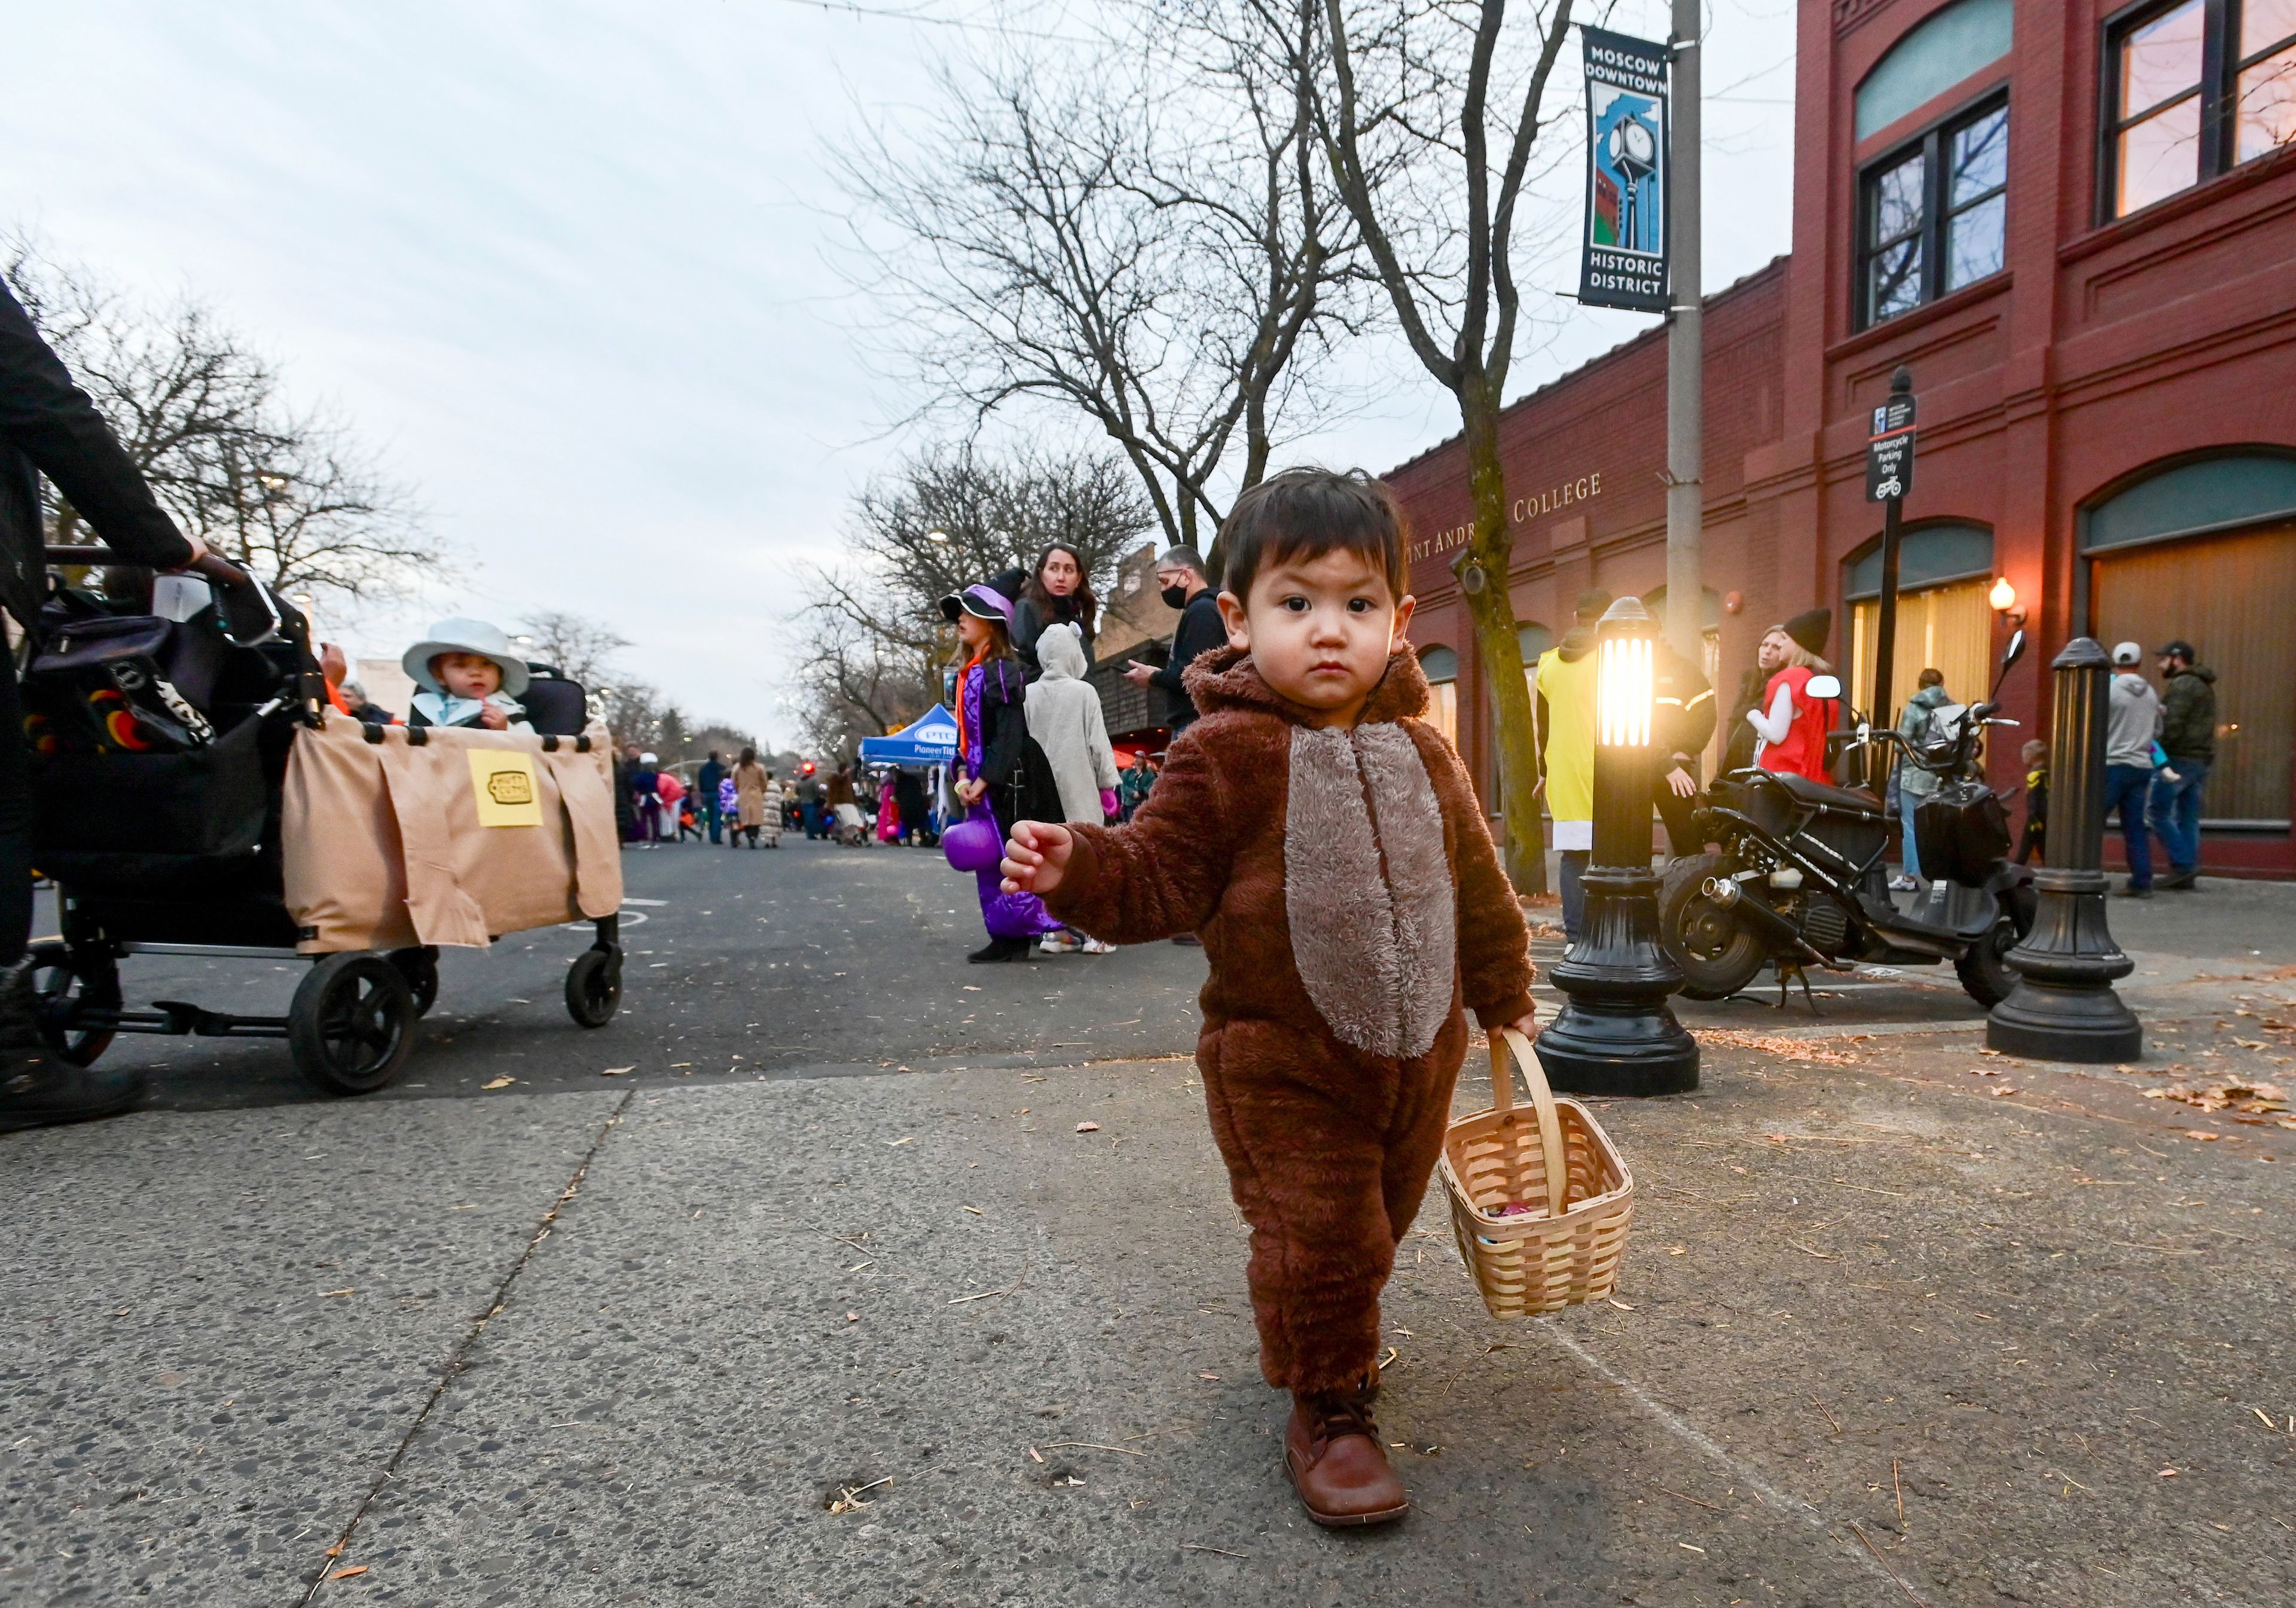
(1616, 1035)
(2004, 599)
(1623, 691)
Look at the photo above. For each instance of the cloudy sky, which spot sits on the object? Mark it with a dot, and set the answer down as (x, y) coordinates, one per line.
(571, 267)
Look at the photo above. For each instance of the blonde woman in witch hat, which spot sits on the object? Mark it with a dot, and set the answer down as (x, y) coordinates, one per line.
(466, 675)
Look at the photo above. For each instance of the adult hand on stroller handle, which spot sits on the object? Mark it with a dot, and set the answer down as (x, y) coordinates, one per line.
(1036, 856)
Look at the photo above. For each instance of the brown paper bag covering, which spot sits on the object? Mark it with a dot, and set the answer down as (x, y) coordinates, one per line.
(383, 848)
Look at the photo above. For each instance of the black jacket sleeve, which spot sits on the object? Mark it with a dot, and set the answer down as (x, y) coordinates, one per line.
(1198, 632)
(1685, 713)
(54, 425)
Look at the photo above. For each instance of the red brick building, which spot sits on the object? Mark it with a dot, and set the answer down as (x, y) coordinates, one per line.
(2076, 224)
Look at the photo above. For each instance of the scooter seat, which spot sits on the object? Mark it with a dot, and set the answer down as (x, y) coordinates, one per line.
(1833, 798)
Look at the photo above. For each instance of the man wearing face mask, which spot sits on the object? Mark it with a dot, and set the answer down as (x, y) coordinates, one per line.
(1180, 572)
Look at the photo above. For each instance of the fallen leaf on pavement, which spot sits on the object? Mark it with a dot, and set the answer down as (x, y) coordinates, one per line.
(352, 1290)
(499, 1083)
(852, 1317)
(904, 1139)
(2169, 1474)
(1211, 1376)
(1621, 1305)
(616, 1072)
(1087, 1128)
(2002, 1089)
(344, 1574)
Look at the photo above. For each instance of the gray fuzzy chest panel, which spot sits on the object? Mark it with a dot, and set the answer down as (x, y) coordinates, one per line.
(1367, 888)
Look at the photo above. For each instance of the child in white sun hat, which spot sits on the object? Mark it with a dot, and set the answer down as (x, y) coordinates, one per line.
(467, 675)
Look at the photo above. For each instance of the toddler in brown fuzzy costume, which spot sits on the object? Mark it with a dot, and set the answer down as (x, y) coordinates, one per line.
(1324, 841)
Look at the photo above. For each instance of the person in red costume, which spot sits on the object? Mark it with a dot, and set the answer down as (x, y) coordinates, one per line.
(1791, 724)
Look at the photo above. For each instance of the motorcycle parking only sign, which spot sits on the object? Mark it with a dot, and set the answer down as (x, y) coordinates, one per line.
(1889, 451)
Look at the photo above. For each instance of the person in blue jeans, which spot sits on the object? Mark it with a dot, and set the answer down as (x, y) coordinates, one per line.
(2132, 723)
(2188, 737)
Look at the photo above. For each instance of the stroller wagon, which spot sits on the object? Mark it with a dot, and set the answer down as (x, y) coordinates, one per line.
(195, 794)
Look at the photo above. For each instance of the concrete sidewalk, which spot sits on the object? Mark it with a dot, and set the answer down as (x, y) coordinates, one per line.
(2044, 1322)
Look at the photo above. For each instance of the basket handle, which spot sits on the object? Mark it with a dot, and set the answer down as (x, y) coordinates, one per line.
(1542, 1100)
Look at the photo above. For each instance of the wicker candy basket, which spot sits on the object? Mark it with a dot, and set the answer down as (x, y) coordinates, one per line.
(1564, 1249)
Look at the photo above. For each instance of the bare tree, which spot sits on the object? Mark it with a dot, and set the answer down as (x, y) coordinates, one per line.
(872, 638)
(1429, 113)
(286, 491)
(1142, 235)
(581, 649)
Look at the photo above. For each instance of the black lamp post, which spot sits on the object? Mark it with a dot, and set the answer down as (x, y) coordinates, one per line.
(1616, 1035)
(2063, 1008)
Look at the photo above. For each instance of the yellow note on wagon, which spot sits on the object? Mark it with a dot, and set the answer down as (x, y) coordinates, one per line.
(502, 781)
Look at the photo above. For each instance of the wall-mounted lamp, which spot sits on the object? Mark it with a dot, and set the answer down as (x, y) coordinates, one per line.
(1471, 576)
(2004, 599)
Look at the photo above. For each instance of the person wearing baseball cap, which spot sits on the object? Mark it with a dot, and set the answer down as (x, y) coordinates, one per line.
(2132, 722)
(2188, 736)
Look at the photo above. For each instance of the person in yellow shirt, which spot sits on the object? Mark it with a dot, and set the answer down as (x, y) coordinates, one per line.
(1565, 713)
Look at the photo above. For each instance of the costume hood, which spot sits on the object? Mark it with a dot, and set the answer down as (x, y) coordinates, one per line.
(1227, 679)
(1061, 652)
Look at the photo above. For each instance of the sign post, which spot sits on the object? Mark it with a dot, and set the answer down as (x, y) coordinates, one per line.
(1889, 476)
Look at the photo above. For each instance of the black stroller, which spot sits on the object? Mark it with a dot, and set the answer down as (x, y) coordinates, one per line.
(159, 724)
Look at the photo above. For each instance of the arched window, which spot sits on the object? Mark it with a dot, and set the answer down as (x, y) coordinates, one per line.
(1440, 666)
(1936, 53)
(2204, 551)
(1944, 571)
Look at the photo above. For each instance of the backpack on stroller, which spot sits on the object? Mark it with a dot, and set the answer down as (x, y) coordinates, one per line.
(162, 733)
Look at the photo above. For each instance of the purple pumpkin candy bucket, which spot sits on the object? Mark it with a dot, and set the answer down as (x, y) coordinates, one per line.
(973, 845)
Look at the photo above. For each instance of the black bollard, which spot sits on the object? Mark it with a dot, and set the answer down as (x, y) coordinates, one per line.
(1616, 1035)
(2064, 1008)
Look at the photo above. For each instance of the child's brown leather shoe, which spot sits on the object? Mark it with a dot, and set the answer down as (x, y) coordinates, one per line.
(1332, 1449)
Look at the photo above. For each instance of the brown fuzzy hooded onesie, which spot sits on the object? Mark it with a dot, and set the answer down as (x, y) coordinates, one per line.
(1351, 904)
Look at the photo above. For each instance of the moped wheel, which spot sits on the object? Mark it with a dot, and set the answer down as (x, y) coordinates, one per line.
(1984, 969)
(69, 981)
(1715, 955)
(351, 1024)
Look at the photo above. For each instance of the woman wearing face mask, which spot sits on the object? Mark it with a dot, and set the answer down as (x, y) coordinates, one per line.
(1056, 594)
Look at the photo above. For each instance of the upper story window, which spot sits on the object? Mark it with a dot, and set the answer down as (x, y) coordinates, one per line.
(1943, 49)
(1933, 213)
(2195, 88)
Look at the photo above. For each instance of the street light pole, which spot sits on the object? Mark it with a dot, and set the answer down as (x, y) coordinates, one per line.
(1686, 355)
(1616, 1035)
(2063, 1008)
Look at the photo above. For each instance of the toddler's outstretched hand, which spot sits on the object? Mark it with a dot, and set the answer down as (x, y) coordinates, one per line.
(1034, 858)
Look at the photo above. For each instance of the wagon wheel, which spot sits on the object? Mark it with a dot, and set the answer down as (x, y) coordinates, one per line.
(594, 987)
(70, 982)
(351, 1026)
(419, 967)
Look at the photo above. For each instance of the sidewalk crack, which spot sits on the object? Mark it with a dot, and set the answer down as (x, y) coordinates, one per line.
(461, 1347)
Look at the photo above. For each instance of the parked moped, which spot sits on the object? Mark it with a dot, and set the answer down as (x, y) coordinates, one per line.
(1801, 879)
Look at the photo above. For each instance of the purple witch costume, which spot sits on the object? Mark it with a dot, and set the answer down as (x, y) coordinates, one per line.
(1006, 915)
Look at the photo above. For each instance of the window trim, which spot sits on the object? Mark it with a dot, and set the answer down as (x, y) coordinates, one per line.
(2218, 91)
(1930, 143)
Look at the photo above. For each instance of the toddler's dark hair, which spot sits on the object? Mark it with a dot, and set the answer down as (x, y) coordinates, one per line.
(1307, 512)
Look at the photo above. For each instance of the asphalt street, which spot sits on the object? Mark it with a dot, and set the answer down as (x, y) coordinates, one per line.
(824, 1295)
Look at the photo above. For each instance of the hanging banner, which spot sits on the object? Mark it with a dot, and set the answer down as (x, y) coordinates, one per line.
(1624, 263)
